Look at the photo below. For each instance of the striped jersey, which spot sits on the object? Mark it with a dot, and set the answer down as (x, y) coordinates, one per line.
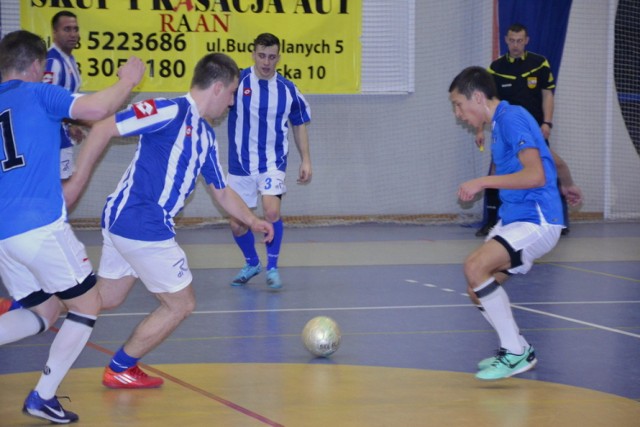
(176, 145)
(514, 129)
(258, 123)
(30, 188)
(62, 70)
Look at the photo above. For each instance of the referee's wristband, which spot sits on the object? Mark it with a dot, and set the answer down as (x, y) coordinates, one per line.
(548, 124)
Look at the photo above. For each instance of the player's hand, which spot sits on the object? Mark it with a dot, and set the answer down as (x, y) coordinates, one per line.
(132, 70)
(304, 174)
(262, 226)
(572, 194)
(546, 131)
(468, 190)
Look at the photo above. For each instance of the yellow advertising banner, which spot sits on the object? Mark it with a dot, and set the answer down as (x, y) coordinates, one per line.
(319, 39)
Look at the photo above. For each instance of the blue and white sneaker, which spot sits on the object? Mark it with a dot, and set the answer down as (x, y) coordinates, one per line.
(273, 279)
(507, 364)
(245, 274)
(49, 410)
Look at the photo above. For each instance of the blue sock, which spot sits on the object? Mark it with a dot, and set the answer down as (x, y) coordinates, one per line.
(121, 361)
(273, 248)
(247, 244)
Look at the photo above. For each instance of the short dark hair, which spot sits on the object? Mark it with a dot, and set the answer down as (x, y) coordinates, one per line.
(57, 16)
(517, 27)
(474, 78)
(19, 49)
(212, 68)
(266, 40)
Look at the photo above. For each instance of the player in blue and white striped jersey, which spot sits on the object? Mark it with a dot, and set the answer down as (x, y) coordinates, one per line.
(176, 146)
(267, 104)
(62, 70)
(41, 260)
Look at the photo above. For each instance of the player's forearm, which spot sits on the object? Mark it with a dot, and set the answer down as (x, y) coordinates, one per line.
(233, 205)
(301, 138)
(95, 144)
(99, 105)
(564, 173)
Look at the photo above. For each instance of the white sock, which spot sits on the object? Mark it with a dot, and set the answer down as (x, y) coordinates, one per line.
(20, 323)
(523, 341)
(485, 315)
(497, 308)
(64, 351)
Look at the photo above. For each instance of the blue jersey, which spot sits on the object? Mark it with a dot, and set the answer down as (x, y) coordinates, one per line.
(258, 123)
(176, 145)
(514, 129)
(30, 188)
(62, 70)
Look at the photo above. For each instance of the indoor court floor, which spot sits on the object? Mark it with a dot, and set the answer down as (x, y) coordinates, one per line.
(410, 337)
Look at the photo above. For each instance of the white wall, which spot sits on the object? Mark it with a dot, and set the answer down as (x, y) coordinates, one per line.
(405, 154)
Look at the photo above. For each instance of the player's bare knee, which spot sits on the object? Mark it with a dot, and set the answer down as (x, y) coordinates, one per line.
(238, 228)
(187, 307)
(473, 268)
(181, 304)
(271, 215)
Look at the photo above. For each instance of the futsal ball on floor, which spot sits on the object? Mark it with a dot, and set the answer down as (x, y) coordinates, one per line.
(321, 336)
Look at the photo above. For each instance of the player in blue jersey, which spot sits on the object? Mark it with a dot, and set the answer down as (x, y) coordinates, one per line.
(176, 146)
(530, 215)
(62, 70)
(266, 106)
(41, 261)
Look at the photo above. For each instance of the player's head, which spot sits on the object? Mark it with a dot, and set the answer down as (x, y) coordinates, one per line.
(517, 39)
(65, 30)
(469, 92)
(218, 74)
(266, 54)
(22, 55)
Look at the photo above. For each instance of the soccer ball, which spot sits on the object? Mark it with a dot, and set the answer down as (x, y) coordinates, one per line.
(321, 336)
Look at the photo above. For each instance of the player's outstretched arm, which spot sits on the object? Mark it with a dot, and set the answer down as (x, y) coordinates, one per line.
(98, 105)
(93, 147)
(237, 208)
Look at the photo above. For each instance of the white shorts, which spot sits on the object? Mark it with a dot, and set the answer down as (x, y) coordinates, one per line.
(162, 266)
(48, 258)
(532, 241)
(66, 162)
(270, 183)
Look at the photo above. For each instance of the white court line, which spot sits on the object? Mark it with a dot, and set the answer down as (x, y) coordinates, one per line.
(390, 307)
(284, 310)
(580, 322)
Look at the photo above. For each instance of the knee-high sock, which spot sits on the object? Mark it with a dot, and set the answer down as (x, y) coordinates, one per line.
(20, 323)
(273, 247)
(247, 244)
(497, 307)
(523, 341)
(65, 349)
